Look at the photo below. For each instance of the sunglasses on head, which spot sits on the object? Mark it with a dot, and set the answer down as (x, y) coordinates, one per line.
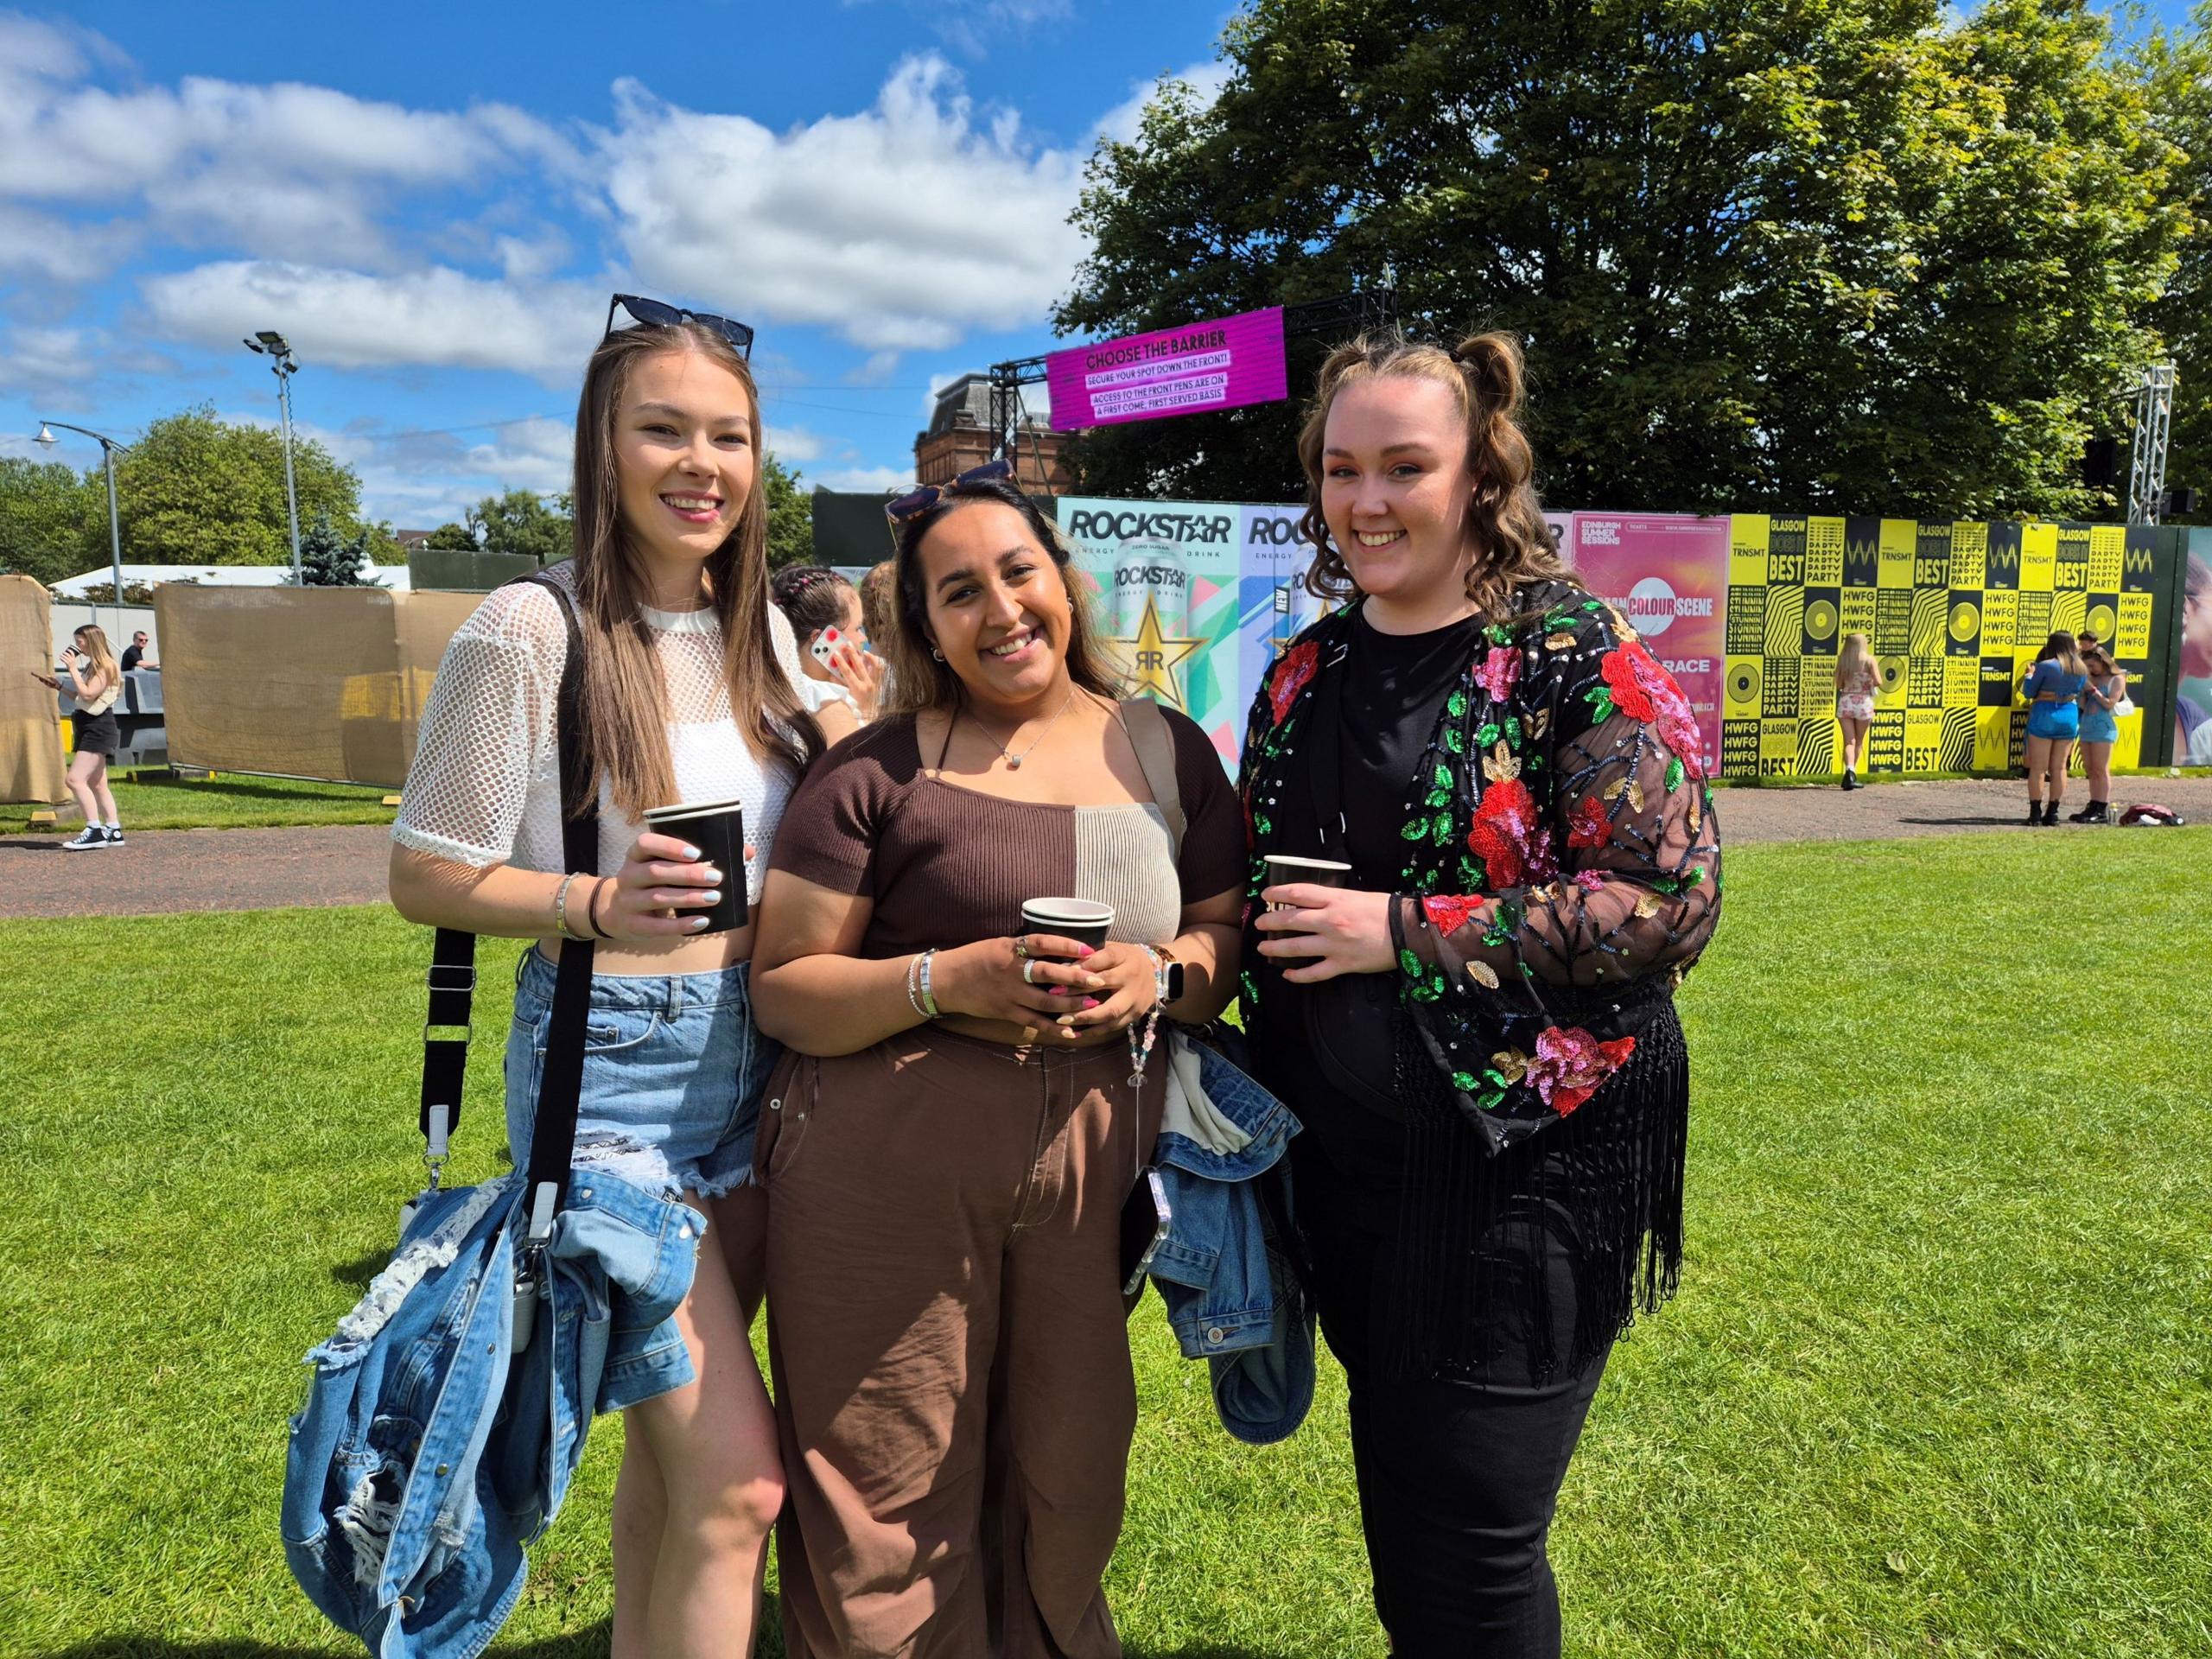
(662, 315)
(920, 501)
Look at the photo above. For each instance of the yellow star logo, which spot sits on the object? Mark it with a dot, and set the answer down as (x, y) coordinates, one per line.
(1149, 661)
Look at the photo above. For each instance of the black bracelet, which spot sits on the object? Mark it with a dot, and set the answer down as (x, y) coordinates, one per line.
(591, 909)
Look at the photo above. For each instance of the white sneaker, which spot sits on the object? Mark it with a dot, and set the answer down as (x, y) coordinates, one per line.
(90, 836)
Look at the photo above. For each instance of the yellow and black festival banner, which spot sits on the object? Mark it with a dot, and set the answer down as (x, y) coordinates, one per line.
(1955, 613)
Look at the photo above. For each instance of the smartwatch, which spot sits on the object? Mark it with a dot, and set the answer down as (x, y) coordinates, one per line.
(1171, 976)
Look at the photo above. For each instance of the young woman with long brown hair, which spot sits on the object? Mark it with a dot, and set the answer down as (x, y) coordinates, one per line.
(95, 681)
(2053, 692)
(689, 697)
(1478, 1030)
(945, 1181)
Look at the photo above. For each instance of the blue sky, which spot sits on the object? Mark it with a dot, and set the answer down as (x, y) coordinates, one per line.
(433, 203)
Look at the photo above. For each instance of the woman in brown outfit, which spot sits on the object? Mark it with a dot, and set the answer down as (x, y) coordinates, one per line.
(953, 1388)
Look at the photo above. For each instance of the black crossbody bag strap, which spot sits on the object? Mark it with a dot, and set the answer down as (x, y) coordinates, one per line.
(453, 978)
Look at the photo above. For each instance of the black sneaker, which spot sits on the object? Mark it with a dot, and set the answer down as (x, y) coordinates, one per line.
(1850, 778)
(90, 836)
(115, 834)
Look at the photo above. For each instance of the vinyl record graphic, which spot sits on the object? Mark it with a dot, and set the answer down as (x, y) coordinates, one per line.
(1743, 683)
(2104, 621)
(1966, 621)
(1820, 619)
(1893, 669)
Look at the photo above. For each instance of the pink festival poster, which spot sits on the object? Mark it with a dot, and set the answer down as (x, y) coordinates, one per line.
(1222, 364)
(1668, 574)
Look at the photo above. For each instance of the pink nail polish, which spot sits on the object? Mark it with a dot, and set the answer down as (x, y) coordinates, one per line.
(1084, 952)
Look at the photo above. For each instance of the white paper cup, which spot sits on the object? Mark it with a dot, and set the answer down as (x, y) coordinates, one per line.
(1084, 920)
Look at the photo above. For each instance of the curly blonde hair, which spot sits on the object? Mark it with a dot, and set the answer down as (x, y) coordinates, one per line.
(1512, 543)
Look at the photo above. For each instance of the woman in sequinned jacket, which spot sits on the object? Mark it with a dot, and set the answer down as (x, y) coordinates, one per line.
(1478, 1029)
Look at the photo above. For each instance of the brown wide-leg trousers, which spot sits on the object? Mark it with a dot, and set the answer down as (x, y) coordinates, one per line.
(954, 1400)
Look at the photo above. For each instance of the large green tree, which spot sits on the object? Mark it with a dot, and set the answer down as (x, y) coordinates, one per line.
(791, 515)
(520, 521)
(2180, 67)
(1845, 254)
(52, 518)
(196, 490)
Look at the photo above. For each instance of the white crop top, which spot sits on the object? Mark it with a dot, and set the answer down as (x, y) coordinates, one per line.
(485, 786)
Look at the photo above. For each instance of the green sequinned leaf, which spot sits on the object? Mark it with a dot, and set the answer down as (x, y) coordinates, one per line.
(1457, 702)
(1440, 828)
(1594, 606)
(1696, 875)
(1265, 826)
(1455, 739)
(1512, 730)
(1493, 1098)
(1495, 1075)
(1674, 773)
(1499, 634)
(1465, 1081)
(1428, 879)
(1409, 964)
(1601, 703)
(1486, 733)
(1665, 884)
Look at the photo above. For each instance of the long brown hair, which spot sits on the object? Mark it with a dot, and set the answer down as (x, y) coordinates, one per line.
(625, 703)
(919, 679)
(96, 647)
(2061, 649)
(1512, 543)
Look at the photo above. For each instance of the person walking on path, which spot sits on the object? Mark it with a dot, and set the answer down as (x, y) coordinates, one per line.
(1477, 1029)
(2106, 689)
(1857, 678)
(95, 681)
(2053, 690)
(689, 695)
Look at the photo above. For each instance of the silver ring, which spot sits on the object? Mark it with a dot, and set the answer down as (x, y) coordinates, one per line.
(1028, 971)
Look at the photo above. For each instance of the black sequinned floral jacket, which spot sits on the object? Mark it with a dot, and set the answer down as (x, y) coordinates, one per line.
(1562, 860)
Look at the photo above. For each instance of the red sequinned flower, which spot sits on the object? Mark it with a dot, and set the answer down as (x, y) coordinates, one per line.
(1570, 1064)
(1643, 690)
(1507, 837)
(1448, 913)
(1587, 824)
(1498, 672)
(1292, 673)
(1590, 881)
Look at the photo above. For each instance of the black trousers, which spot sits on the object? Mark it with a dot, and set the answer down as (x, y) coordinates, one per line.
(1458, 1481)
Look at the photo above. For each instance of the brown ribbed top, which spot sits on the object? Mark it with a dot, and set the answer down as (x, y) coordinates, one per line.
(945, 865)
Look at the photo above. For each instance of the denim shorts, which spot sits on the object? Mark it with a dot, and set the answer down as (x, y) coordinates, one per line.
(2048, 719)
(673, 1070)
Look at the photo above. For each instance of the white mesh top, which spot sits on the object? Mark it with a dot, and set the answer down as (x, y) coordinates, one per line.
(485, 788)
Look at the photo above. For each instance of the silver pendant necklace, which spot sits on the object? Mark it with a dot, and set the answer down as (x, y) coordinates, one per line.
(1013, 760)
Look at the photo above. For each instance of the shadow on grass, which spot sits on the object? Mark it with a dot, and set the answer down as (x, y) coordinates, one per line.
(362, 1269)
(1967, 820)
(590, 1643)
(187, 789)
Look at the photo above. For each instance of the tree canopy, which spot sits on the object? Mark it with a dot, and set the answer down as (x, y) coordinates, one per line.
(1859, 255)
(196, 490)
(791, 515)
(52, 518)
(2179, 67)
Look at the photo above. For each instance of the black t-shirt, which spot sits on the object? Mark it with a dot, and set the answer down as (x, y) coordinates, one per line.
(1392, 688)
(130, 656)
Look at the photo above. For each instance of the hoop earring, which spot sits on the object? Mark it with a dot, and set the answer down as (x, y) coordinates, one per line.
(936, 654)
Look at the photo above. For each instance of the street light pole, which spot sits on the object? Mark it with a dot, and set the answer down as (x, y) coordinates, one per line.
(108, 447)
(271, 344)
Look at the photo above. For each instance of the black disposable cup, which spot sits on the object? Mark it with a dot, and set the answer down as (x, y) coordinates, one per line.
(1084, 920)
(1283, 869)
(717, 829)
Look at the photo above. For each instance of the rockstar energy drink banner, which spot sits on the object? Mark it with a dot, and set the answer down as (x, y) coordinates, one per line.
(1955, 613)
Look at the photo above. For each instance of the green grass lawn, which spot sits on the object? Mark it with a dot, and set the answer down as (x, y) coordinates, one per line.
(1939, 1382)
(228, 801)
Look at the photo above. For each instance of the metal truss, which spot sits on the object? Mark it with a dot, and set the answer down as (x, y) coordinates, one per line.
(2154, 416)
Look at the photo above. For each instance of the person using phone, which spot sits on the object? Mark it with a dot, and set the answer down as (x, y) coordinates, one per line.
(824, 611)
(949, 1148)
(95, 735)
(1478, 1029)
(690, 694)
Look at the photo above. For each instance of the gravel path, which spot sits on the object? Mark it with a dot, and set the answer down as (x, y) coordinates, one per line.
(249, 869)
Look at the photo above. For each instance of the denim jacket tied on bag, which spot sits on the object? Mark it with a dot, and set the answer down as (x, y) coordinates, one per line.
(426, 1457)
(1232, 1299)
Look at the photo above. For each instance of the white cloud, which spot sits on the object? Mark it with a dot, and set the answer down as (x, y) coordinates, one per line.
(46, 361)
(901, 227)
(44, 246)
(1120, 123)
(867, 480)
(534, 455)
(792, 444)
(352, 318)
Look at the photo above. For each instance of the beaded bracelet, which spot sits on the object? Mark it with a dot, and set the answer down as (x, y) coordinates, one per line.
(929, 1001)
(913, 967)
(1140, 1048)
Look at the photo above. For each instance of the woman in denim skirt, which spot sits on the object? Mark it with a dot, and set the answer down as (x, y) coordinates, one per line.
(689, 697)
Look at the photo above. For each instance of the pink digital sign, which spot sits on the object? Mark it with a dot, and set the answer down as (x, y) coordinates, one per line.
(1224, 364)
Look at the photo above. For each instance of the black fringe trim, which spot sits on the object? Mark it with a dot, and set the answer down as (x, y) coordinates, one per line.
(1481, 1231)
